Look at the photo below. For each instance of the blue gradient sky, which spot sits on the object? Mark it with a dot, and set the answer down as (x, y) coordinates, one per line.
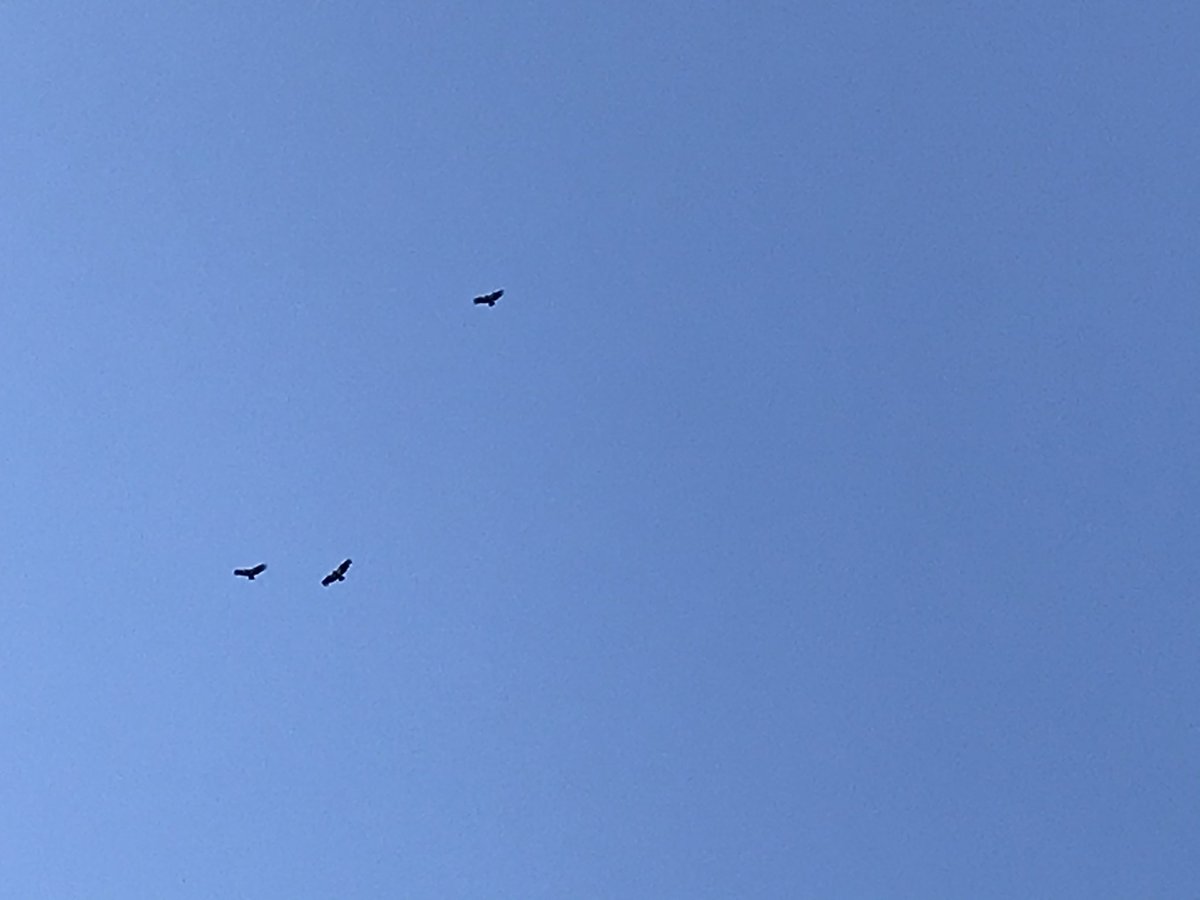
(815, 516)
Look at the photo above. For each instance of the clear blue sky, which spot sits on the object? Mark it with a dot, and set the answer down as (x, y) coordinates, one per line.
(815, 516)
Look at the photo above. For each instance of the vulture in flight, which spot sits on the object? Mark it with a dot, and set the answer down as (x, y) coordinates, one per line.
(338, 574)
(251, 573)
(489, 299)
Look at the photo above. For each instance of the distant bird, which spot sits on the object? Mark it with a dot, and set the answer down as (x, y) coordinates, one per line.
(251, 573)
(338, 574)
(489, 299)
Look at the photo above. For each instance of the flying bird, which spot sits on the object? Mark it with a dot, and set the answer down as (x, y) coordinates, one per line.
(251, 573)
(489, 299)
(338, 574)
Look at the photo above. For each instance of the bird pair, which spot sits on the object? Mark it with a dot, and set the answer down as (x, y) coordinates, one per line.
(338, 574)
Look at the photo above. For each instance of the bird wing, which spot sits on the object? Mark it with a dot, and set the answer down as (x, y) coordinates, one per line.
(328, 580)
(259, 569)
(245, 573)
(341, 570)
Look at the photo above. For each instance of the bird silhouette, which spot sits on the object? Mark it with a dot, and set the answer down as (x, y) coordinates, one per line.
(489, 299)
(338, 574)
(251, 573)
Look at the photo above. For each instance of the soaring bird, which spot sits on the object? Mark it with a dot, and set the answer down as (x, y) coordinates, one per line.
(251, 573)
(338, 574)
(489, 299)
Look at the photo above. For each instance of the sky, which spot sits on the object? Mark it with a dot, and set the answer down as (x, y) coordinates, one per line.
(814, 516)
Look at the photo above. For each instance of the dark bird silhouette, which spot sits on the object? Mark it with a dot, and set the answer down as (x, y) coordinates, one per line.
(251, 573)
(338, 574)
(489, 299)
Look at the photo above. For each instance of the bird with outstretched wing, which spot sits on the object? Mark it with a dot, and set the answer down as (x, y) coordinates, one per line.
(251, 573)
(489, 299)
(338, 574)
